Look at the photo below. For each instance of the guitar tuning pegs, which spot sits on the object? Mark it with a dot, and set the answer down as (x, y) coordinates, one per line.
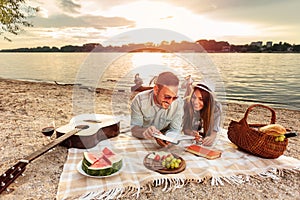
(15, 181)
(19, 169)
(22, 174)
(12, 168)
(2, 184)
(7, 190)
(11, 176)
(4, 175)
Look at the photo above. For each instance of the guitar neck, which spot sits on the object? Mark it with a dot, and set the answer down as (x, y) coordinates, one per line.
(52, 144)
(11, 174)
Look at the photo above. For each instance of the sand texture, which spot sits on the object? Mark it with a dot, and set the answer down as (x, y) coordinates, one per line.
(27, 107)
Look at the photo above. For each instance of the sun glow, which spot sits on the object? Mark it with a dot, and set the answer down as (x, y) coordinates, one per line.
(148, 14)
(100, 21)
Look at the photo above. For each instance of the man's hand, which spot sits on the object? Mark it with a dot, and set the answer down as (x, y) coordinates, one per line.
(148, 133)
(162, 143)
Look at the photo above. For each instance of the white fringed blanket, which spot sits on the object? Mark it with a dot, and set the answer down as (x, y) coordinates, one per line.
(234, 166)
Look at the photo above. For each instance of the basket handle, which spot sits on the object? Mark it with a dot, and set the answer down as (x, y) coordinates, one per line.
(273, 117)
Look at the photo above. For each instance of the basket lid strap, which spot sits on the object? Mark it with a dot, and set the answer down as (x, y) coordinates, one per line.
(273, 117)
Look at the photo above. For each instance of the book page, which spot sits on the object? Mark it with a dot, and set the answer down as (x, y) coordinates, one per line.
(178, 136)
(173, 137)
(166, 138)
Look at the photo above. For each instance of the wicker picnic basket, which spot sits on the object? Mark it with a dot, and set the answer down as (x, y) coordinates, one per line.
(248, 138)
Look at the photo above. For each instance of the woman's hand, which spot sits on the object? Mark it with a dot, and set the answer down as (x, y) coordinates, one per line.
(209, 140)
(198, 137)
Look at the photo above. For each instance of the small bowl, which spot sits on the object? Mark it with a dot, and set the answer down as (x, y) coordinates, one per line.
(48, 131)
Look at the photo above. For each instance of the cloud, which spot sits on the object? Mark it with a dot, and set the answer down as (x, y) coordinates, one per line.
(263, 12)
(111, 3)
(99, 22)
(69, 6)
(203, 6)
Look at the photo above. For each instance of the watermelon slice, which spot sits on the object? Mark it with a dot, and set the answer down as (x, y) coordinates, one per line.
(103, 164)
(90, 158)
(106, 151)
(100, 168)
(114, 158)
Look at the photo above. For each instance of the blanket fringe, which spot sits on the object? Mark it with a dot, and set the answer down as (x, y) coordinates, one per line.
(171, 184)
(239, 179)
(111, 194)
(272, 173)
(116, 193)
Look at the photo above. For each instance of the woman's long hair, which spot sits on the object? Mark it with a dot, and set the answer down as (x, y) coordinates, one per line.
(206, 113)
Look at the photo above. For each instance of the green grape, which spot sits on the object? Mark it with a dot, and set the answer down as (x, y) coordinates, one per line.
(163, 163)
(178, 160)
(172, 165)
(168, 159)
(168, 165)
(176, 165)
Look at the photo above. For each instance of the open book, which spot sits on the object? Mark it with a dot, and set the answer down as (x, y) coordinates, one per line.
(173, 137)
(203, 152)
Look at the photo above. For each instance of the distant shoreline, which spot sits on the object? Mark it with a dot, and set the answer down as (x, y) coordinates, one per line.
(148, 52)
(209, 46)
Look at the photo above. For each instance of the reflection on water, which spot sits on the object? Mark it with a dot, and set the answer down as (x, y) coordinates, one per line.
(266, 78)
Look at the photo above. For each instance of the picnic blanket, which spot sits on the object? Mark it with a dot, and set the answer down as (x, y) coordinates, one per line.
(234, 167)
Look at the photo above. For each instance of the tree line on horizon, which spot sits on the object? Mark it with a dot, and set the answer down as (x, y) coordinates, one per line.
(165, 46)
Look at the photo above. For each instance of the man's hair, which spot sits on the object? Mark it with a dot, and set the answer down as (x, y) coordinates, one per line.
(167, 79)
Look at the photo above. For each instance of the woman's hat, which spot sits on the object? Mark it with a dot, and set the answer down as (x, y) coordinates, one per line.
(204, 86)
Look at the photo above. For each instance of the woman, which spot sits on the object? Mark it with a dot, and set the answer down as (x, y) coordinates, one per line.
(138, 80)
(202, 115)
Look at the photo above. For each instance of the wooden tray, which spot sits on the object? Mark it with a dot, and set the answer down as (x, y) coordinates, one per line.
(157, 166)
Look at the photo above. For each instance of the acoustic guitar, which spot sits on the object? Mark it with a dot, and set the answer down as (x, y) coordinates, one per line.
(101, 127)
(83, 131)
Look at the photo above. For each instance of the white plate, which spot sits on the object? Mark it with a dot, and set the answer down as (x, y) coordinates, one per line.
(80, 170)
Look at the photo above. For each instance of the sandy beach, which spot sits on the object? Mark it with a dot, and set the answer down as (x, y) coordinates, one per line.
(27, 107)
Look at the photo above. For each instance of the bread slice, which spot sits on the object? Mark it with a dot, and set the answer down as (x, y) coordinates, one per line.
(273, 129)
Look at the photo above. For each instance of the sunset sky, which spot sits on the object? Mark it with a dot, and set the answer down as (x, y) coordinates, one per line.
(76, 22)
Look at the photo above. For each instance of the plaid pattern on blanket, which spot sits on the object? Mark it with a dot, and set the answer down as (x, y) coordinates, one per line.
(135, 177)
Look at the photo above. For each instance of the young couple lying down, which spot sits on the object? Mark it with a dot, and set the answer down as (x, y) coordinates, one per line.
(160, 110)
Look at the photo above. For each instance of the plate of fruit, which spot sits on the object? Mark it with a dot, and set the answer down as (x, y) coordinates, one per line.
(100, 164)
(164, 162)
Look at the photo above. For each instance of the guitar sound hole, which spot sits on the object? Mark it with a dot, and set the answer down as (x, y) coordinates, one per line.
(82, 127)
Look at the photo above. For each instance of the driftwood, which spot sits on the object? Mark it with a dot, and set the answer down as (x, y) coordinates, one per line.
(66, 84)
(139, 88)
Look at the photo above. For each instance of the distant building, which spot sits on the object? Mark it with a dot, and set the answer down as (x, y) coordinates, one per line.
(290, 49)
(269, 44)
(258, 43)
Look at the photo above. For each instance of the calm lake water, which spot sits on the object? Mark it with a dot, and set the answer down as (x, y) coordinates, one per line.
(272, 79)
